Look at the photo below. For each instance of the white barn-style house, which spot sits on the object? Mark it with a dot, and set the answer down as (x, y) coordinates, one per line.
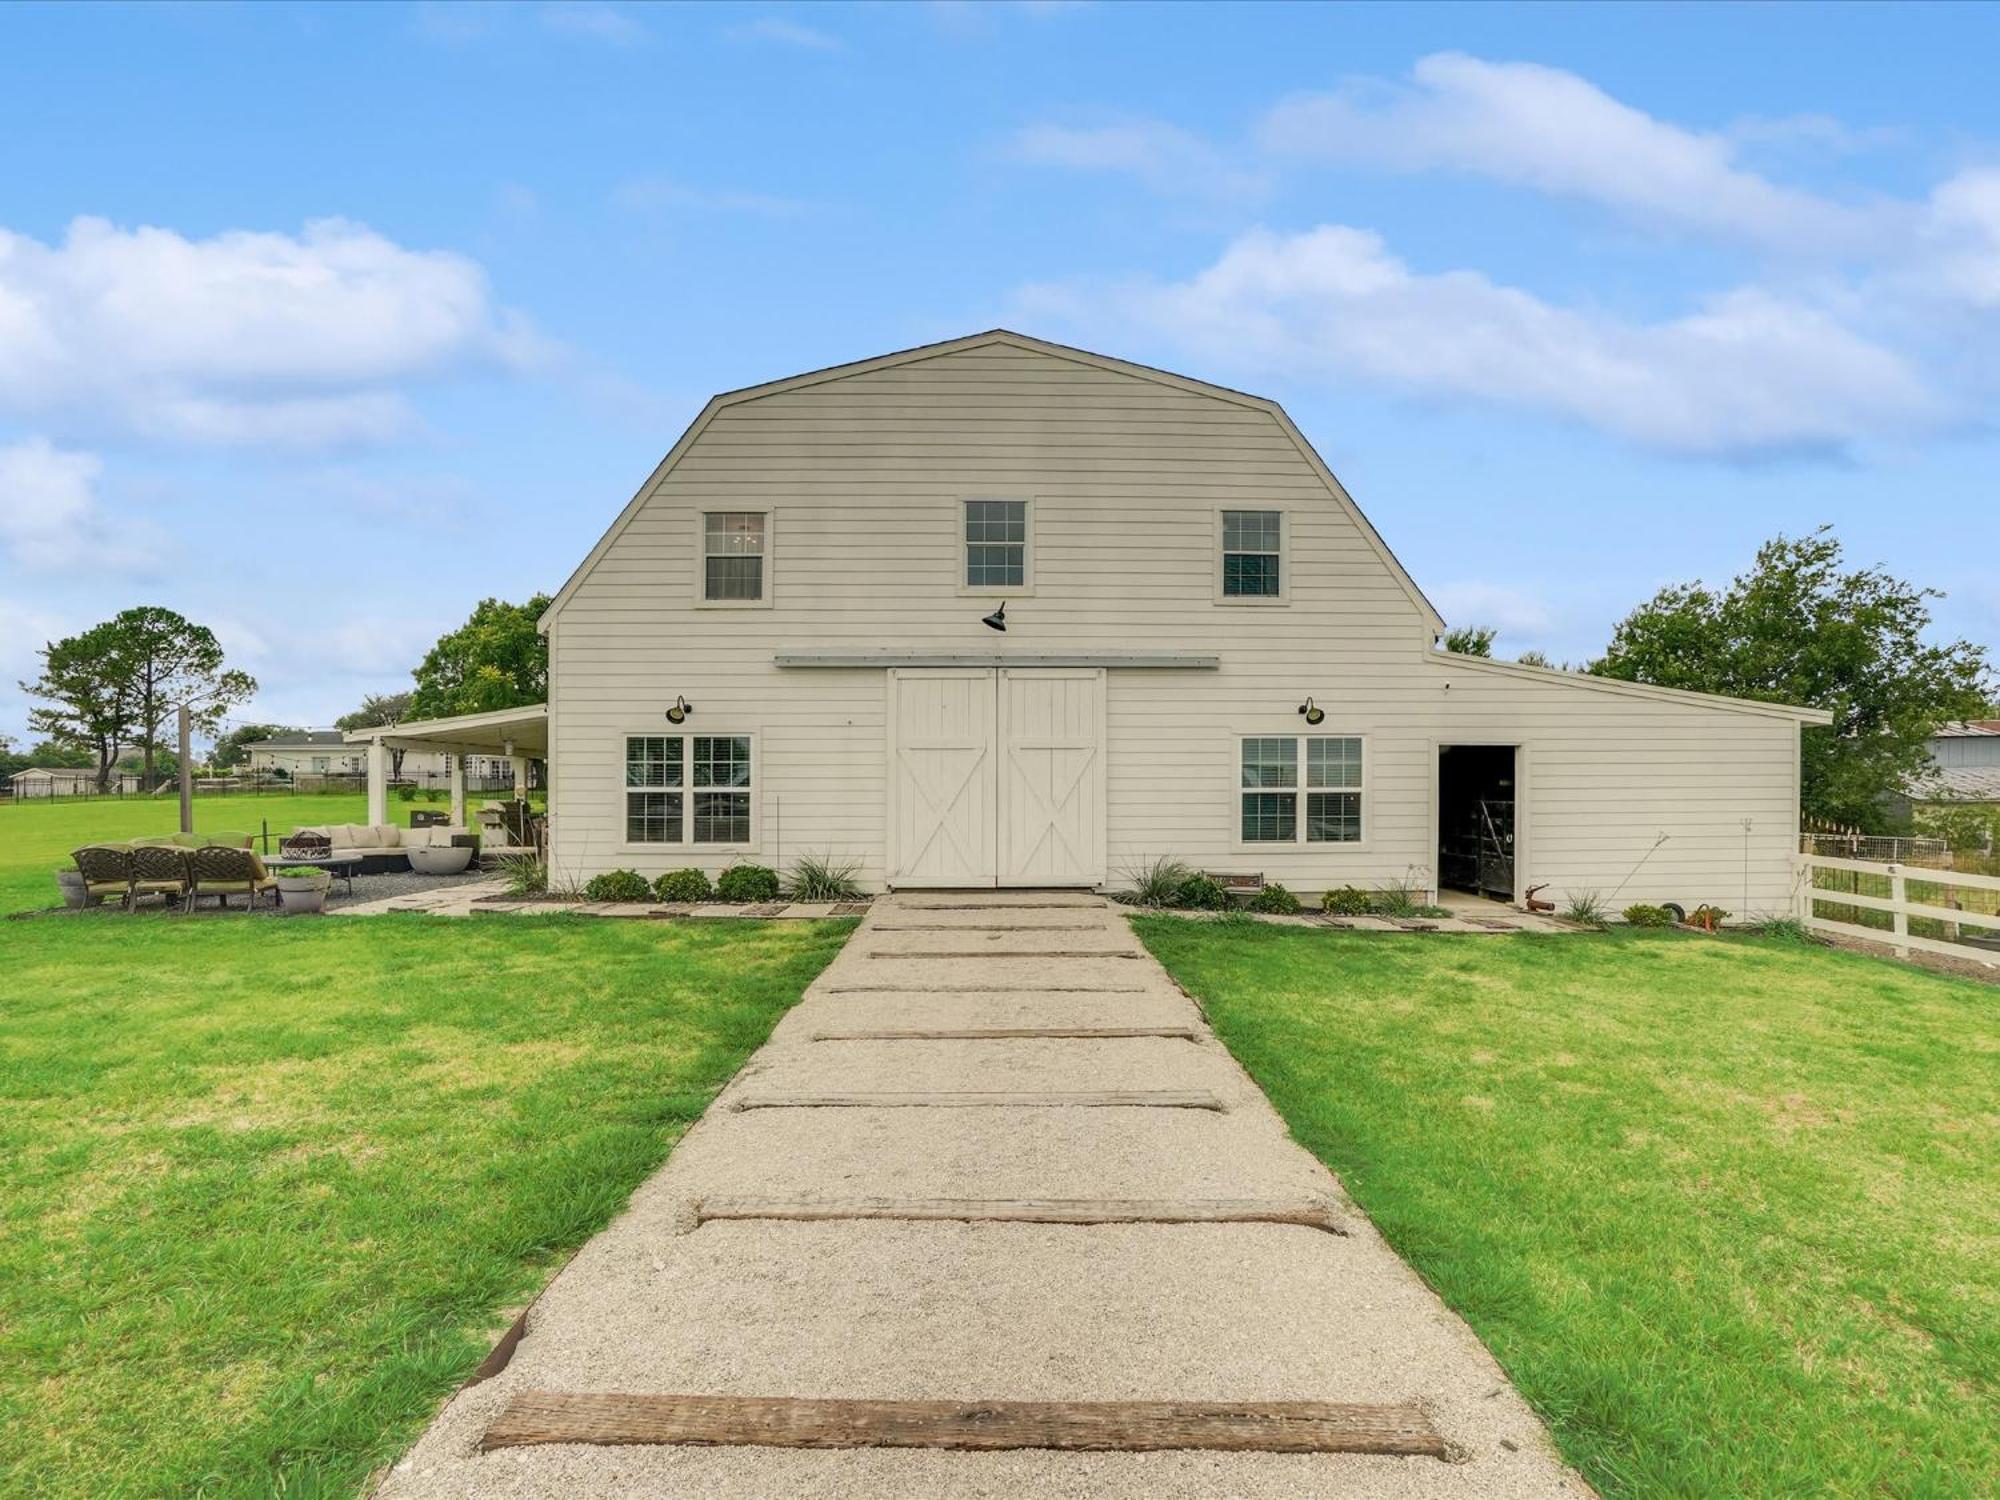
(786, 644)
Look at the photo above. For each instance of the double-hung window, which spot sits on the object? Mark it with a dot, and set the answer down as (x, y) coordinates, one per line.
(996, 544)
(732, 548)
(1280, 770)
(1252, 554)
(662, 773)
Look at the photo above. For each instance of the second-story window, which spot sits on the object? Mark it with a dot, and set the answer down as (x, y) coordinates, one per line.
(733, 556)
(1251, 544)
(996, 544)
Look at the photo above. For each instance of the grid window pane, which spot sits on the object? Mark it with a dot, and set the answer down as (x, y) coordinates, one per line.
(1333, 817)
(1271, 762)
(996, 543)
(1270, 817)
(735, 578)
(1251, 543)
(721, 760)
(733, 555)
(653, 817)
(653, 760)
(1250, 575)
(1250, 530)
(1333, 762)
(722, 817)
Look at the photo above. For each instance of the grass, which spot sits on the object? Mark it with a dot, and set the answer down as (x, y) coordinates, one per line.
(268, 1190)
(1726, 1210)
(36, 836)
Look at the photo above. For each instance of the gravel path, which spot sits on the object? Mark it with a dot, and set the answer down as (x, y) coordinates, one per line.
(988, 1311)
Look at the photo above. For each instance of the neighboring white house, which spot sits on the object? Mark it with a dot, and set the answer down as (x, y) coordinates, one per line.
(63, 781)
(785, 644)
(328, 752)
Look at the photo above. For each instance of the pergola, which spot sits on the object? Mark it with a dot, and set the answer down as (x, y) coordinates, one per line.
(519, 734)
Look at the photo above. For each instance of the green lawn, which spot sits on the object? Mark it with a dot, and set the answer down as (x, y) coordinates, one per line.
(36, 836)
(269, 1189)
(1727, 1211)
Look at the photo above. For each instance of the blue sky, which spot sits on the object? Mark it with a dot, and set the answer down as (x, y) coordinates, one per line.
(318, 324)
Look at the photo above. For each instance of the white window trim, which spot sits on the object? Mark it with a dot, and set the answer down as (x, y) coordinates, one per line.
(701, 515)
(1258, 601)
(1026, 588)
(687, 733)
(1299, 843)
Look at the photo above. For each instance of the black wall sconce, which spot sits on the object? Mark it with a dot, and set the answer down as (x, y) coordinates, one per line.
(1313, 712)
(998, 619)
(679, 712)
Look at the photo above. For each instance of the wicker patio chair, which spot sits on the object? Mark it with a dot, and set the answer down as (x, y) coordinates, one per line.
(158, 870)
(220, 871)
(107, 872)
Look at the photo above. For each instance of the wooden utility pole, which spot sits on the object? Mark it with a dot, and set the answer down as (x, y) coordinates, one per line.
(187, 770)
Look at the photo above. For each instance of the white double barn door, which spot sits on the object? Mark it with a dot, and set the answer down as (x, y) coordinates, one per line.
(996, 777)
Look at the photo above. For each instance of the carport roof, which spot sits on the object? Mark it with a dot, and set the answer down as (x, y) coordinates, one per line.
(506, 731)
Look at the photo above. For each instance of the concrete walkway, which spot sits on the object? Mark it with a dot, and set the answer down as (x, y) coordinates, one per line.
(990, 1311)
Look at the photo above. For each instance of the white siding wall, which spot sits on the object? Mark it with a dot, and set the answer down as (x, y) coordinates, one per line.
(863, 476)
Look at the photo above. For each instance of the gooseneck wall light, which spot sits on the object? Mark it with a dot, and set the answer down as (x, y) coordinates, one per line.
(680, 710)
(1313, 712)
(998, 619)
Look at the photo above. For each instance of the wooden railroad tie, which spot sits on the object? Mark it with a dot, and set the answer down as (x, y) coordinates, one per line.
(1008, 1033)
(985, 1099)
(1090, 1426)
(1304, 1213)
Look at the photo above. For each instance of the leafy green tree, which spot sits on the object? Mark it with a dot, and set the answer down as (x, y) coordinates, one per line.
(497, 659)
(91, 703)
(49, 753)
(1799, 628)
(171, 661)
(11, 760)
(376, 710)
(1470, 640)
(233, 748)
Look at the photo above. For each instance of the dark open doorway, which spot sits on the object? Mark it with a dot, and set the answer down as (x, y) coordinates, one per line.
(1476, 819)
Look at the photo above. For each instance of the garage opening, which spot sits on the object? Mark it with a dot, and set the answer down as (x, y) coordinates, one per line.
(1476, 820)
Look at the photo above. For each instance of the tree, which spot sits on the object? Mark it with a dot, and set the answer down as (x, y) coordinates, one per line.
(376, 710)
(233, 748)
(1470, 640)
(173, 661)
(1798, 629)
(496, 659)
(11, 760)
(1535, 659)
(92, 702)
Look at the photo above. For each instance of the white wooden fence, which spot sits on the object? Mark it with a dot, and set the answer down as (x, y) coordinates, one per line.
(1963, 906)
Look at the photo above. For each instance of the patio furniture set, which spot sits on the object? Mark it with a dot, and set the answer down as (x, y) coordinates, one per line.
(173, 871)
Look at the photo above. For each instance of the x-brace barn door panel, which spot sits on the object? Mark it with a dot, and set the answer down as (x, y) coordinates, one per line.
(943, 788)
(1051, 764)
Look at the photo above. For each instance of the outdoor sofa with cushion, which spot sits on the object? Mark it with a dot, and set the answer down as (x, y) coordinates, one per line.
(381, 846)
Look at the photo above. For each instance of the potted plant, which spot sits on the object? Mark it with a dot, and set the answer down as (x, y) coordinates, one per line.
(301, 888)
(75, 893)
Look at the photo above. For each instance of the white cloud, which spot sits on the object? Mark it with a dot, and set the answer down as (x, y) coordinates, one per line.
(1166, 158)
(786, 34)
(594, 22)
(1747, 374)
(1961, 240)
(1510, 611)
(243, 337)
(50, 518)
(1550, 130)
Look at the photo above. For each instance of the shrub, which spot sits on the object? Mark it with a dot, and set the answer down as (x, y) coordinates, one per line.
(1393, 899)
(1649, 916)
(1157, 882)
(1345, 902)
(818, 878)
(407, 792)
(302, 872)
(747, 883)
(1706, 917)
(1586, 908)
(683, 885)
(1786, 930)
(527, 877)
(1201, 892)
(1275, 900)
(617, 885)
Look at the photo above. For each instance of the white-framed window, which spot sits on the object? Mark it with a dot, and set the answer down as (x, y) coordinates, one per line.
(321, 762)
(735, 550)
(996, 545)
(1295, 789)
(689, 788)
(1253, 555)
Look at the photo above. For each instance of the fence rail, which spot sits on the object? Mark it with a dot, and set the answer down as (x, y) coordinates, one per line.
(1910, 907)
(304, 783)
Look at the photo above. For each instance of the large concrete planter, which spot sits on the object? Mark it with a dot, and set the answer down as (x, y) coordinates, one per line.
(440, 860)
(74, 894)
(299, 895)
